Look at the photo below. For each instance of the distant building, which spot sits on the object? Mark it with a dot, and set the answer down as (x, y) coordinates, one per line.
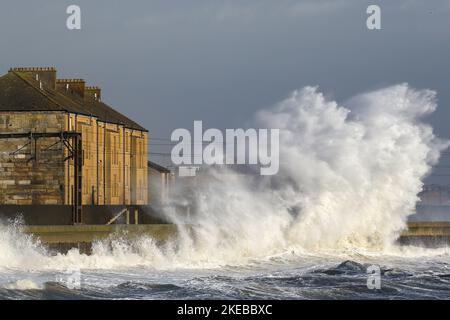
(434, 204)
(435, 195)
(61, 145)
(188, 171)
(160, 179)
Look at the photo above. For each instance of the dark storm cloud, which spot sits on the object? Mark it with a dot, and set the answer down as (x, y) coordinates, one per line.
(167, 63)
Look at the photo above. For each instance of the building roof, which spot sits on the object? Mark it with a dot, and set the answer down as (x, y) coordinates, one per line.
(19, 91)
(158, 167)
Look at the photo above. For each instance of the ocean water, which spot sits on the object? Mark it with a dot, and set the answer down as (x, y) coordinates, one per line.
(348, 180)
(414, 273)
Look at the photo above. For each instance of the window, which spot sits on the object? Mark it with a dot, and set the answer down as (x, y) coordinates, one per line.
(85, 184)
(127, 142)
(141, 156)
(114, 150)
(138, 153)
(88, 143)
(139, 191)
(114, 186)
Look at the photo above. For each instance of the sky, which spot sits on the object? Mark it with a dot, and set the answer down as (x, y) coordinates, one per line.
(168, 63)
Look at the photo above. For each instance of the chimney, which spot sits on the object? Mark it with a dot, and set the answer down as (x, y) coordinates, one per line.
(93, 93)
(47, 75)
(71, 86)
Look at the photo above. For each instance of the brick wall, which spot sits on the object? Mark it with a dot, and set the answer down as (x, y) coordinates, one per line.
(115, 174)
(36, 181)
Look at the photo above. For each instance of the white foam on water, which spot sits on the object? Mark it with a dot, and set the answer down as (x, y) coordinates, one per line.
(24, 284)
(349, 177)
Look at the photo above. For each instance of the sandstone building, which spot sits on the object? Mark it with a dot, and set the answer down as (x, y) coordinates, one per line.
(61, 145)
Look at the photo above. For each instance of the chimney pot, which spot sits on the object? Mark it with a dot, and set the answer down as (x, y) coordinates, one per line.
(46, 75)
(93, 93)
(74, 86)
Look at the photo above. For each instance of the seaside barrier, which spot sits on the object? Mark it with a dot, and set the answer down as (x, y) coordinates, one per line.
(426, 234)
(64, 237)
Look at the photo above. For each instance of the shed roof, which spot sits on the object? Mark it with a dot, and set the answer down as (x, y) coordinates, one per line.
(158, 167)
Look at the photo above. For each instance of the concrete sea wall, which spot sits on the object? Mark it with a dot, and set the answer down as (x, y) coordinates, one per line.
(63, 238)
(426, 234)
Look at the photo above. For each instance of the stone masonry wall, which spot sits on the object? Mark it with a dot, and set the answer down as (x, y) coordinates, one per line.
(36, 181)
